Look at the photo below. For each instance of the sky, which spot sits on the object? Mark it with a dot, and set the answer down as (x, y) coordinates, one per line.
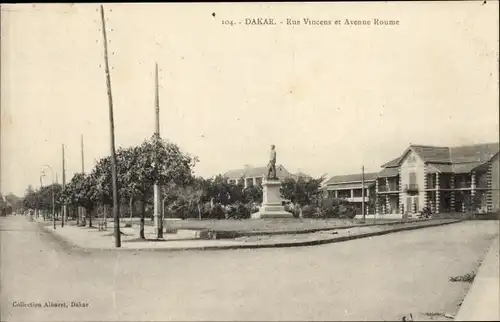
(331, 98)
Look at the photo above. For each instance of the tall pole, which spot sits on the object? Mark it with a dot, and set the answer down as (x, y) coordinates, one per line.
(112, 135)
(53, 200)
(63, 216)
(39, 203)
(81, 147)
(156, 189)
(363, 192)
(53, 196)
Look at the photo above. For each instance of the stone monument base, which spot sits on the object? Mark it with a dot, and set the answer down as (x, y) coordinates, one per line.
(271, 202)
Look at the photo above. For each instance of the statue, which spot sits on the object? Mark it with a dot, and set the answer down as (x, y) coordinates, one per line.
(272, 202)
(271, 166)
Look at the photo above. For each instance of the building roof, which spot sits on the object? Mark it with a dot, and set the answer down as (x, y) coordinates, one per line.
(439, 167)
(473, 153)
(432, 154)
(249, 171)
(348, 178)
(476, 153)
(465, 167)
(388, 172)
(392, 163)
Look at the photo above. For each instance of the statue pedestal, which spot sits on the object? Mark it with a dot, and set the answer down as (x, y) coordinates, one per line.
(271, 202)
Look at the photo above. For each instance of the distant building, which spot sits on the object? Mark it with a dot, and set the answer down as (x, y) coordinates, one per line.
(253, 176)
(444, 179)
(349, 187)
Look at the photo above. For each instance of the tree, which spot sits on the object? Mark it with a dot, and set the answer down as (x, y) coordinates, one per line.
(302, 191)
(4, 206)
(30, 198)
(219, 190)
(45, 197)
(189, 198)
(252, 194)
(154, 161)
(80, 192)
(13, 201)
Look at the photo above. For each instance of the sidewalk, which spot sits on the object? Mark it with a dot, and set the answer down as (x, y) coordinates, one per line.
(91, 239)
(482, 302)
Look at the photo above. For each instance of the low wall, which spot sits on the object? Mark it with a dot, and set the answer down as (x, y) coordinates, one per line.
(380, 216)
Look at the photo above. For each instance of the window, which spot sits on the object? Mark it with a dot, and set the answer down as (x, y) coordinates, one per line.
(412, 178)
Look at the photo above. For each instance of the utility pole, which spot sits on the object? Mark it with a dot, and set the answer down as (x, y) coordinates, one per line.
(63, 216)
(52, 192)
(363, 192)
(156, 189)
(81, 146)
(39, 203)
(112, 136)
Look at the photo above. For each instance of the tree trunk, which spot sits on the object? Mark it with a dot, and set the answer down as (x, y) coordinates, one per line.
(143, 213)
(78, 211)
(131, 207)
(98, 213)
(91, 211)
(83, 222)
(199, 212)
(105, 221)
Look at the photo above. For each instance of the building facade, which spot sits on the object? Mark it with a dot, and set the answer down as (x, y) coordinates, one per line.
(350, 187)
(253, 176)
(443, 179)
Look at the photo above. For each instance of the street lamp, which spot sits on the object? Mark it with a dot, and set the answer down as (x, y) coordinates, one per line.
(53, 197)
(42, 174)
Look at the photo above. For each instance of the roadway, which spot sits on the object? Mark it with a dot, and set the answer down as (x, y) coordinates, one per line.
(379, 278)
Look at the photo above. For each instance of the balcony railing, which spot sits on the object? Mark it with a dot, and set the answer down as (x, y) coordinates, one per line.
(463, 184)
(389, 188)
(412, 187)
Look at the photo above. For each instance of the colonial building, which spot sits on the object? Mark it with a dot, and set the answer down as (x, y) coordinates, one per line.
(350, 187)
(249, 175)
(444, 179)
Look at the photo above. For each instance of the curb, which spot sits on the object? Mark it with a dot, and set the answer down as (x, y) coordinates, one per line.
(229, 234)
(256, 246)
(481, 301)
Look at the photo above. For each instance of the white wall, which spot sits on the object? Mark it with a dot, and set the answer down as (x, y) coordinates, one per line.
(413, 163)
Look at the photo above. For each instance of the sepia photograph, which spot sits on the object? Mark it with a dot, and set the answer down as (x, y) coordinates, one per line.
(250, 161)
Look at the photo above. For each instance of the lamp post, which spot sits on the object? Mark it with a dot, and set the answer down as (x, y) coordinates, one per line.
(42, 174)
(38, 201)
(53, 197)
(363, 192)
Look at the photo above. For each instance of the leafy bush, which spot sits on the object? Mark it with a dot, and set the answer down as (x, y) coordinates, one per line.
(309, 211)
(292, 209)
(251, 208)
(337, 208)
(217, 212)
(238, 211)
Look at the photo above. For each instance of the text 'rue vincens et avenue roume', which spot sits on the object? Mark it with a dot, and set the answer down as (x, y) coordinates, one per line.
(266, 21)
